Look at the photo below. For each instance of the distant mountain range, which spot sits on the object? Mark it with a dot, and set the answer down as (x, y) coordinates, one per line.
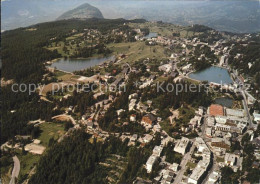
(84, 11)
(232, 16)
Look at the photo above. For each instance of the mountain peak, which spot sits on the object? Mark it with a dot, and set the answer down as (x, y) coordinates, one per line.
(83, 11)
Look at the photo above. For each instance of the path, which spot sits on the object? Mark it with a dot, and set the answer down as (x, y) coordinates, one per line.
(16, 170)
(67, 117)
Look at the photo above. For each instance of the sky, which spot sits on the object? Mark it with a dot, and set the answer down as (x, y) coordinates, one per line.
(234, 16)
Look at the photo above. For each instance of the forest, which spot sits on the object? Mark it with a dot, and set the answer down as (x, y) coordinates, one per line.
(23, 56)
(76, 160)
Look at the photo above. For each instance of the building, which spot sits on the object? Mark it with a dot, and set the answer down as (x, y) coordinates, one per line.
(210, 121)
(221, 127)
(208, 132)
(182, 145)
(215, 110)
(220, 142)
(150, 162)
(230, 159)
(90, 125)
(131, 105)
(148, 119)
(157, 151)
(147, 138)
(133, 117)
(235, 112)
(199, 173)
(256, 116)
(174, 167)
(213, 178)
(166, 68)
(202, 147)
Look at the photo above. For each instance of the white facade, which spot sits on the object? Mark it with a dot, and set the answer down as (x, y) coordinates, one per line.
(174, 167)
(182, 145)
(233, 112)
(213, 177)
(157, 150)
(230, 159)
(150, 162)
(256, 117)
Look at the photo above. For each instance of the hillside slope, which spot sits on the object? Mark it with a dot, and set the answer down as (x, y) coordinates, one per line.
(84, 11)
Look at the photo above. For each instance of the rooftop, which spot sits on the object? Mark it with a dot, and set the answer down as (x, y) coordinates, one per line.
(216, 109)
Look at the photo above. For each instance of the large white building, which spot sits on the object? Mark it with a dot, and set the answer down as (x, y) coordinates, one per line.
(182, 145)
(235, 112)
(199, 172)
(203, 165)
(150, 162)
(213, 178)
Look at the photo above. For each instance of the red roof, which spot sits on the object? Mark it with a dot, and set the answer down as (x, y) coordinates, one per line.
(215, 110)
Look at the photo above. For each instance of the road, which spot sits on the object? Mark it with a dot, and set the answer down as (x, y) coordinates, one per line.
(67, 117)
(251, 125)
(183, 164)
(16, 170)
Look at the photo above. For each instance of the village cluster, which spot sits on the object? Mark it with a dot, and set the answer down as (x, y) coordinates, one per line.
(217, 126)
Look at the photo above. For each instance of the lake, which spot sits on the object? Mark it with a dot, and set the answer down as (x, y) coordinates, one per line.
(213, 74)
(224, 101)
(71, 65)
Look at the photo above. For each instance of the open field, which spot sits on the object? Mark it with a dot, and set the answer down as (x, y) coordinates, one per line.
(137, 50)
(27, 161)
(165, 29)
(50, 130)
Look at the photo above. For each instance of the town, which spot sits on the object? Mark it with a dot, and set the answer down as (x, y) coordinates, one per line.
(211, 135)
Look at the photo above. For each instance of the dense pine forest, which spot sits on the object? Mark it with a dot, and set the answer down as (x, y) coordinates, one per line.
(76, 160)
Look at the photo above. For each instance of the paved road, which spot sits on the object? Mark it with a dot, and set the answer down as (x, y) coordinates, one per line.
(183, 163)
(16, 170)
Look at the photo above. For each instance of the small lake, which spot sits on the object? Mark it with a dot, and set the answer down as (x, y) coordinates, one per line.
(71, 65)
(151, 35)
(213, 74)
(224, 101)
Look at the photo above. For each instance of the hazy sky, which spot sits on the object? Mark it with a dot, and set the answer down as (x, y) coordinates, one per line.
(238, 16)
